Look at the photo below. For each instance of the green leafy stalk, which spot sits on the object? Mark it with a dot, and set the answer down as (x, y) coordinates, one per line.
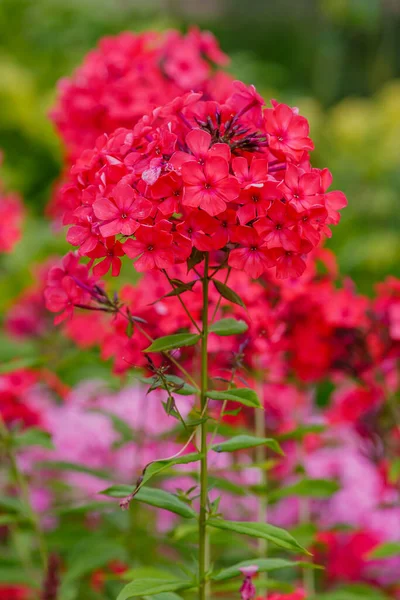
(263, 498)
(24, 491)
(203, 542)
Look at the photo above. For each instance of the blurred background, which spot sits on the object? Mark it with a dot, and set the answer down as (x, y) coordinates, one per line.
(337, 60)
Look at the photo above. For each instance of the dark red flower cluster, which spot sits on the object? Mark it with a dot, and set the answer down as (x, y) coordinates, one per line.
(129, 74)
(14, 409)
(11, 220)
(14, 592)
(70, 285)
(197, 176)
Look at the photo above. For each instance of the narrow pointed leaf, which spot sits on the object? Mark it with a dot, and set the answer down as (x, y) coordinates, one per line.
(386, 550)
(228, 327)
(150, 587)
(171, 342)
(309, 488)
(159, 466)
(240, 442)
(264, 566)
(245, 396)
(61, 465)
(153, 497)
(227, 293)
(273, 534)
(354, 592)
(33, 437)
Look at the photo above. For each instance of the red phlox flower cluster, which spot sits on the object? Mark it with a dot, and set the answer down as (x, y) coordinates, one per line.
(11, 220)
(128, 74)
(14, 592)
(198, 176)
(69, 285)
(14, 409)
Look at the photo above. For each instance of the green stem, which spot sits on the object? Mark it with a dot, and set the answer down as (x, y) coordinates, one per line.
(263, 498)
(203, 542)
(305, 518)
(21, 482)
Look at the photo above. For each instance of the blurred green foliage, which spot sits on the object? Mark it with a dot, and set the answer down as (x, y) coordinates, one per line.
(336, 59)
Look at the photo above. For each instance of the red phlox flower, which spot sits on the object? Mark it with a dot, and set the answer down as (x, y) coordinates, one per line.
(302, 189)
(287, 132)
(253, 256)
(199, 227)
(63, 299)
(277, 229)
(200, 147)
(153, 246)
(168, 189)
(111, 250)
(209, 187)
(121, 214)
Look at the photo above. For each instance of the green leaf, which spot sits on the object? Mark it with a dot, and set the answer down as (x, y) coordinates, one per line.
(310, 488)
(300, 432)
(240, 442)
(227, 293)
(175, 384)
(14, 575)
(148, 572)
(86, 508)
(263, 564)
(273, 534)
(158, 466)
(33, 437)
(177, 291)
(21, 363)
(61, 465)
(354, 592)
(90, 554)
(150, 587)
(153, 497)
(164, 596)
(245, 396)
(394, 471)
(171, 342)
(194, 259)
(228, 327)
(386, 550)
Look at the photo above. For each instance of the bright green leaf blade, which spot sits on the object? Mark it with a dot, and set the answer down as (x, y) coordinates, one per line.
(245, 396)
(21, 363)
(310, 488)
(300, 432)
(386, 550)
(164, 596)
(227, 293)
(240, 442)
(354, 592)
(150, 587)
(175, 384)
(61, 465)
(153, 497)
(264, 565)
(159, 466)
(33, 437)
(228, 327)
(273, 534)
(90, 554)
(171, 342)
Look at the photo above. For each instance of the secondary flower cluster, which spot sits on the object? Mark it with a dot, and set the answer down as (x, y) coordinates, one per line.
(196, 176)
(129, 74)
(11, 219)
